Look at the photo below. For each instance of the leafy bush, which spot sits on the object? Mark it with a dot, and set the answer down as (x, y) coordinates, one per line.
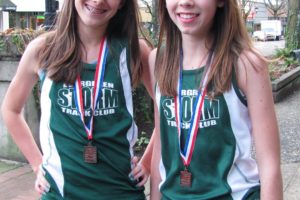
(282, 62)
(143, 112)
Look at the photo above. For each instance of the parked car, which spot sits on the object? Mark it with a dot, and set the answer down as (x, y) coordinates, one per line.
(259, 35)
(267, 34)
(270, 34)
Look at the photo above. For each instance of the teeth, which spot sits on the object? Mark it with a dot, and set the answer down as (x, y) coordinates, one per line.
(187, 16)
(93, 10)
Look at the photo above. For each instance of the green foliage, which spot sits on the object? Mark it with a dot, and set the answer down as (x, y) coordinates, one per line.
(19, 42)
(282, 63)
(286, 55)
(2, 45)
(21, 38)
(285, 52)
(142, 105)
(36, 91)
(142, 142)
(144, 114)
(14, 41)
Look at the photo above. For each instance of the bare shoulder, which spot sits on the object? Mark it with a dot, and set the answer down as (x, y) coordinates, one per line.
(251, 66)
(252, 60)
(37, 44)
(30, 58)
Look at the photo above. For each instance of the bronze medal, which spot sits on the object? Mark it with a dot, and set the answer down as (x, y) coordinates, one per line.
(90, 151)
(90, 154)
(187, 150)
(185, 178)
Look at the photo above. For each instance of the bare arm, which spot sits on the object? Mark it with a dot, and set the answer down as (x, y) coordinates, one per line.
(155, 140)
(148, 81)
(156, 157)
(255, 82)
(151, 157)
(141, 171)
(16, 96)
(148, 71)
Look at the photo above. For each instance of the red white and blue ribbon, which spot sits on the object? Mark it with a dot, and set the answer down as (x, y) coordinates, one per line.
(187, 152)
(98, 82)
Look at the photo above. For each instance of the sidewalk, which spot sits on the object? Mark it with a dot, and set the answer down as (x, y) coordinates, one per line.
(17, 184)
(17, 179)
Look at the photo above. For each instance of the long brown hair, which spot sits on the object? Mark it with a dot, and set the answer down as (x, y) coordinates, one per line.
(230, 39)
(61, 55)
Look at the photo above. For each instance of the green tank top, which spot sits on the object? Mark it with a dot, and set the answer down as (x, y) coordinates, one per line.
(221, 164)
(63, 136)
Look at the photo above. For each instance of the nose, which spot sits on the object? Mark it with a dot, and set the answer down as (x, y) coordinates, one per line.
(187, 3)
(98, 1)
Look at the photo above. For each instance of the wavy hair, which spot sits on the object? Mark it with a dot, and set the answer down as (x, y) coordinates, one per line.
(230, 38)
(61, 55)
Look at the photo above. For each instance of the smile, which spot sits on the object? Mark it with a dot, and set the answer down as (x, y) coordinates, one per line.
(188, 15)
(94, 10)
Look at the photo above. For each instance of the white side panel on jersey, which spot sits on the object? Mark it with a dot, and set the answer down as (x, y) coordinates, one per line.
(126, 82)
(244, 173)
(162, 169)
(51, 159)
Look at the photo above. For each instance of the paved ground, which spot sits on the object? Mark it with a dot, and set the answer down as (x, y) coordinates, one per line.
(269, 47)
(17, 184)
(16, 180)
(288, 114)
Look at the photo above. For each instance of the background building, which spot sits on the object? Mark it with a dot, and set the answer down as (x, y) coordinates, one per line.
(6, 6)
(22, 14)
(260, 12)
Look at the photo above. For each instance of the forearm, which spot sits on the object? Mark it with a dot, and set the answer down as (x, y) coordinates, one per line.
(156, 157)
(271, 183)
(155, 175)
(154, 190)
(147, 156)
(23, 138)
(268, 159)
(267, 147)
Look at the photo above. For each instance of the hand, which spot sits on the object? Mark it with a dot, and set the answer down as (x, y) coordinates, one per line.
(41, 184)
(138, 172)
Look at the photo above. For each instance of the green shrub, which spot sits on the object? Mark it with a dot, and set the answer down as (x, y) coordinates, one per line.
(282, 62)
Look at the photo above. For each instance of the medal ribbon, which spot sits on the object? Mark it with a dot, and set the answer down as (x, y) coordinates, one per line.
(98, 82)
(187, 153)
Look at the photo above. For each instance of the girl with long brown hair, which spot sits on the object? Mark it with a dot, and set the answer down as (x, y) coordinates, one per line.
(214, 102)
(87, 66)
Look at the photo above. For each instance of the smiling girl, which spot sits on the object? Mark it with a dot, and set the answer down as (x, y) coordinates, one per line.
(214, 100)
(87, 66)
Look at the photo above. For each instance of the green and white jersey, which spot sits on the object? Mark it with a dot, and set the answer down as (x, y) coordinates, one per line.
(221, 165)
(63, 137)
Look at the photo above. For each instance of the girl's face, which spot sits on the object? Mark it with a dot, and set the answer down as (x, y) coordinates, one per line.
(96, 13)
(193, 17)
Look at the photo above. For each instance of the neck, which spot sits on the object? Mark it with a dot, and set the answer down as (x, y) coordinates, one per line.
(90, 36)
(90, 40)
(195, 52)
